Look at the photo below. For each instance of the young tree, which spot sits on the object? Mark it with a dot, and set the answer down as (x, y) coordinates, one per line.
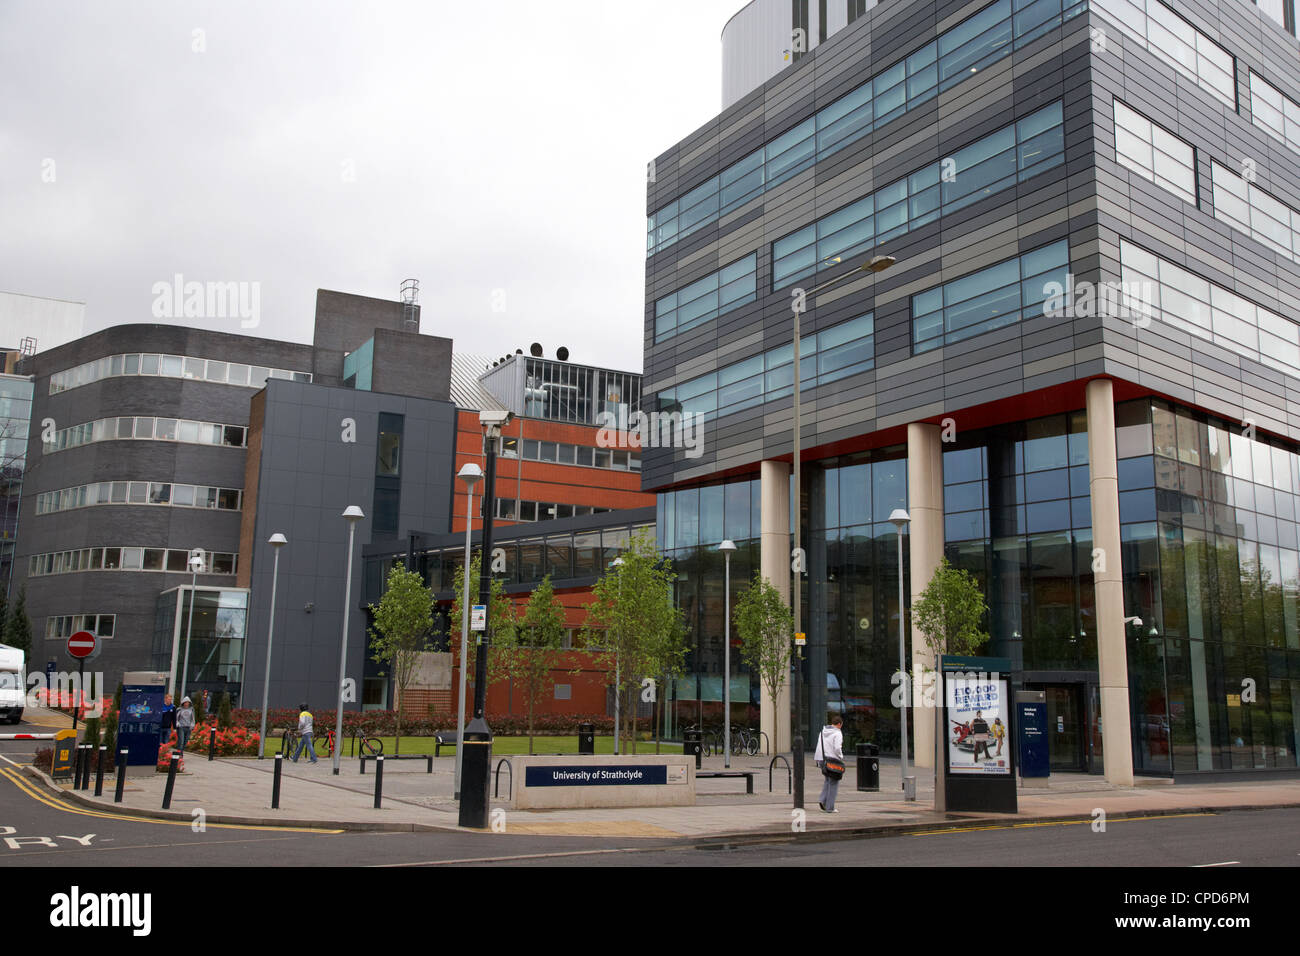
(531, 654)
(400, 634)
(949, 612)
(18, 627)
(502, 621)
(766, 628)
(636, 625)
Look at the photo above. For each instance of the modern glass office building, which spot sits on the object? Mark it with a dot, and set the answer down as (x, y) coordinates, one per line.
(1080, 374)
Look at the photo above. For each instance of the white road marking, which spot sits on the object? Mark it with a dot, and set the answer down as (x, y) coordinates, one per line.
(1198, 866)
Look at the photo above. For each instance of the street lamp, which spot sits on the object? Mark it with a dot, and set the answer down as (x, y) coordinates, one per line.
(196, 565)
(352, 514)
(899, 519)
(276, 541)
(618, 689)
(726, 548)
(874, 264)
(476, 773)
(471, 474)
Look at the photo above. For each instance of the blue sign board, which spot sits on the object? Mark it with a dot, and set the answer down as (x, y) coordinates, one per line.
(586, 775)
(1033, 739)
(137, 724)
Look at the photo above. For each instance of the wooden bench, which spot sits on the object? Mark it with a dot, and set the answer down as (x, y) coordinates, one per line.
(428, 757)
(747, 774)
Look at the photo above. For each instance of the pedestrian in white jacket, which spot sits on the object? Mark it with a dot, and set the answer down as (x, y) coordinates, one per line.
(830, 743)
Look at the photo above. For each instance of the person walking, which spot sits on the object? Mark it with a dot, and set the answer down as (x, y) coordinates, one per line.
(167, 720)
(830, 746)
(184, 724)
(304, 734)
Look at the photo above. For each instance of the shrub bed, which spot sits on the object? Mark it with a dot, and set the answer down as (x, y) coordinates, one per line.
(383, 723)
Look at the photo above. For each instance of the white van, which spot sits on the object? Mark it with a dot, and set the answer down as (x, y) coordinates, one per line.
(13, 683)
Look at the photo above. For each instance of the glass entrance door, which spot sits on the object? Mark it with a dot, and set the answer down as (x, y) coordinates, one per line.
(1065, 727)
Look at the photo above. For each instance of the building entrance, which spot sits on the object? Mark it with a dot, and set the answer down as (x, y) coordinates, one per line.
(1066, 726)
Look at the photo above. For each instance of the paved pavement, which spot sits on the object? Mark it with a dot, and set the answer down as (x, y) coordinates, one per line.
(239, 791)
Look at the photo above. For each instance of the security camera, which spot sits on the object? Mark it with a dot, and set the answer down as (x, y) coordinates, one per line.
(495, 418)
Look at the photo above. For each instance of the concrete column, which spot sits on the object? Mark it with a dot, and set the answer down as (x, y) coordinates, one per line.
(1112, 654)
(774, 563)
(925, 505)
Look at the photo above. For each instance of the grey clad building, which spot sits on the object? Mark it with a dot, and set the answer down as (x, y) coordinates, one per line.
(1080, 374)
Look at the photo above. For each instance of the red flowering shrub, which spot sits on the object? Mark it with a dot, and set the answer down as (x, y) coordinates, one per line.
(383, 723)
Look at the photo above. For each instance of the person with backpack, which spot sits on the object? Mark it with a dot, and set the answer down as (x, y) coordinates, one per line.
(830, 757)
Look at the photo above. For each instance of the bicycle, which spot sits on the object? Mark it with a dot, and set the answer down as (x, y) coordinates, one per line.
(373, 746)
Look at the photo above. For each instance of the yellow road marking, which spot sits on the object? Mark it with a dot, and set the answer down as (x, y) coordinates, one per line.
(1054, 823)
(16, 778)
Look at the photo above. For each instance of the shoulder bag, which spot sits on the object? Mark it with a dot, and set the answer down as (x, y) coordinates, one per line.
(832, 767)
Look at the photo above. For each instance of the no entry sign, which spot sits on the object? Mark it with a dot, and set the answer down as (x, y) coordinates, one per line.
(81, 645)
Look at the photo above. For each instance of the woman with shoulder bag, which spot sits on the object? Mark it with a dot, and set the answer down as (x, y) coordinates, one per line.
(830, 757)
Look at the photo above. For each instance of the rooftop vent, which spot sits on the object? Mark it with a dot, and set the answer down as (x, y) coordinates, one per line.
(562, 354)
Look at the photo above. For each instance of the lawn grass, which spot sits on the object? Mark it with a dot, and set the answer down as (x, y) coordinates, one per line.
(504, 746)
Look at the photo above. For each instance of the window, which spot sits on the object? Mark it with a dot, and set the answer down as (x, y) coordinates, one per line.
(1154, 154)
(1188, 302)
(989, 299)
(1247, 207)
(390, 454)
(983, 168)
(958, 53)
(707, 298)
(1178, 43)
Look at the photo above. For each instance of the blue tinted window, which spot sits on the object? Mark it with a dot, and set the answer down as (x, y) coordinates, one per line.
(979, 40)
(1136, 473)
(707, 298)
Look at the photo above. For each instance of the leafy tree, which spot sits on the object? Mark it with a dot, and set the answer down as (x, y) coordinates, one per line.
(18, 627)
(766, 628)
(502, 621)
(224, 719)
(644, 634)
(400, 634)
(949, 612)
(196, 702)
(529, 655)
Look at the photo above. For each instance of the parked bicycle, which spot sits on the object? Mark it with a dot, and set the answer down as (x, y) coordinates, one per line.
(364, 742)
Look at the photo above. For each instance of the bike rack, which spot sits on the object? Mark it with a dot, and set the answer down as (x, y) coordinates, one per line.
(789, 771)
(767, 743)
(496, 777)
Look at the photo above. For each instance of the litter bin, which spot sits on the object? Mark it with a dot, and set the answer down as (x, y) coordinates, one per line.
(868, 767)
(586, 738)
(691, 746)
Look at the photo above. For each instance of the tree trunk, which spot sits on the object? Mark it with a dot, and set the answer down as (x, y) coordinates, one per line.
(397, 741)
(530, 726)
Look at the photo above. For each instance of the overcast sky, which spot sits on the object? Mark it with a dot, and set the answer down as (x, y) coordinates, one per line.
(476, 147)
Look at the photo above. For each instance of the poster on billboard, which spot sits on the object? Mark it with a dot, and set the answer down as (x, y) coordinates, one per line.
(978, 717)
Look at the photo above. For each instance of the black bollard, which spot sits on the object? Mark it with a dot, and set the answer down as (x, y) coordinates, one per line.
(379, 781)
(171, 781)
(99, 771)
(83, 780)
(212, 743)
(76, 767)
(797, 751)
(121, 774)
(275, 783)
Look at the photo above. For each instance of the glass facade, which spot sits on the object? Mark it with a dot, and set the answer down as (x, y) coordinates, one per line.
(216, 643)
(148, 428)
(171, 366)
(1154, 153)
(988, 165)
(1245, 206)
(166, 493)
(15, 416)
(957, 54)
(706, 299)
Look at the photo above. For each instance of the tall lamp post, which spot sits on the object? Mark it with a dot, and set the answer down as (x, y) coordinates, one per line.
(196, 565)
(352, 514)
(476, 774)
(276, 541)
(899, 519)
(618, 687)
(727, 547)
(471, 474)
(799, 304)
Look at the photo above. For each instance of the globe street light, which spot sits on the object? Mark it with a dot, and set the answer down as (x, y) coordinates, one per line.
(276, 541)
(471, 474)
(726, 548)
(899, 519)
(352, 515)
